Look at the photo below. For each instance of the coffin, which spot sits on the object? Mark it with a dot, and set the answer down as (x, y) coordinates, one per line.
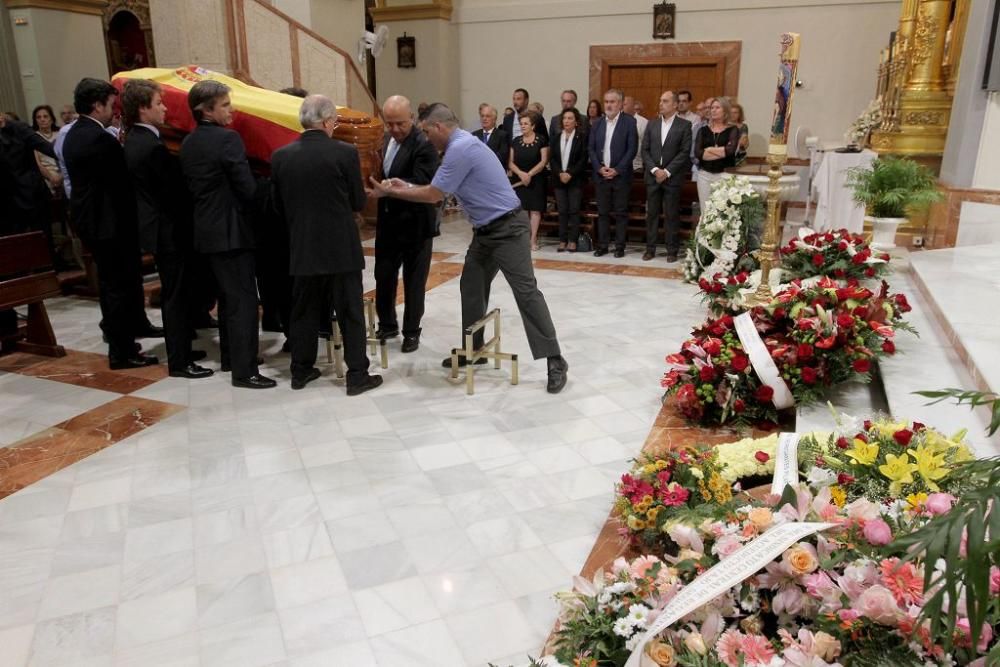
(266, 120)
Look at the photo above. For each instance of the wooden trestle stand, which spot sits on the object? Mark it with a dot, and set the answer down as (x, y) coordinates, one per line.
(489, 350)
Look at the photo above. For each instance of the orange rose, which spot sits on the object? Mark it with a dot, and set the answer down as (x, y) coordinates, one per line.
(661, 653)
(761, 517)
(802, 559)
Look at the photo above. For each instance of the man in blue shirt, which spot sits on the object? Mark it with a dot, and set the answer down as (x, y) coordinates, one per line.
(500, 241)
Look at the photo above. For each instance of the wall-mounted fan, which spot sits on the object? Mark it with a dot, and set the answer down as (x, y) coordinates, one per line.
(374, 42)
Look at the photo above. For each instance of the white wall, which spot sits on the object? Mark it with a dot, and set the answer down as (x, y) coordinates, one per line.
(987, 175)
(543, 45)
(437, 76)
(54, 51)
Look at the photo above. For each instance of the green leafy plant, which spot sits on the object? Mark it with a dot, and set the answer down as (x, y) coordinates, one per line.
(974, 519)
(971, 398)
(893, 186)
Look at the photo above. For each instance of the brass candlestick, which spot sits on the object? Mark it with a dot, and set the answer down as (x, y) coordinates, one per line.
(772, 227)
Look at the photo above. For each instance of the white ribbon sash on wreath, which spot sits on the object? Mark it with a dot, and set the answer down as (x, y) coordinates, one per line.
(762, 362)
(740, 566)
(786, 463)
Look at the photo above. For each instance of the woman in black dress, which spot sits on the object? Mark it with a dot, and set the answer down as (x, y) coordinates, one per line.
(715, 147)
(529, 155)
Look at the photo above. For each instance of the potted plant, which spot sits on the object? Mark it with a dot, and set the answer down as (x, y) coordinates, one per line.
(889, 189)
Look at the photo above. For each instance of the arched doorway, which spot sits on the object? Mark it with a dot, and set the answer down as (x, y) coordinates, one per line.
(128, 35)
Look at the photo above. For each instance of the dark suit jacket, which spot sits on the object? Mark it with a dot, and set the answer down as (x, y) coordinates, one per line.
(674, 154)
(162, 201)
(499, 143)
(218, 176)
(102, 202)
(316, 187)
(624, 145)
(577, 165)
(21, 183)
(415, 162)
(555, 126)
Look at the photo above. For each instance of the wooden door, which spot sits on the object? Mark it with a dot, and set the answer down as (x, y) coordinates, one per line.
(646, 81)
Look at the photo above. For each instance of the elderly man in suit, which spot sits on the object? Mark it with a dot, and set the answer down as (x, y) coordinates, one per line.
(104, 213)
(404, 231)
(215, 167)
(512, 122)
(496, 138)
(164, 211)
(613, 143)
(666, 159)
(317, 189)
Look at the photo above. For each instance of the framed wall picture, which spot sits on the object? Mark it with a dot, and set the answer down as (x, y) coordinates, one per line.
(663, 20)
(406, 51)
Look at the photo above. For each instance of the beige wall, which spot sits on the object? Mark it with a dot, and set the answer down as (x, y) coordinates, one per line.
(439, 73)
(339, 21)
(54, 51)
(190, 32)
(543, 45)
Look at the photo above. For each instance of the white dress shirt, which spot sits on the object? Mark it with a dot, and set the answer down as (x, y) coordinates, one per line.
(640, 126)
(565, 147)
(665, 126)
(515, 127)
(690, 116)
(609, 133)
(390, 155)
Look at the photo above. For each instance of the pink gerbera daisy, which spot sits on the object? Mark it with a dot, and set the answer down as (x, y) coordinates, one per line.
(906, 584)
(756, 650)
(729, 646)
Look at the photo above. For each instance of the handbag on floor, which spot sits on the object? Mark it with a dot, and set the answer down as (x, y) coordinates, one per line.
(584, 243)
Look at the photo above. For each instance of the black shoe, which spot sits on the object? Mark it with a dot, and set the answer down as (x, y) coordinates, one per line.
(370, 382)
(619, 253)
(286, 346)
(206, 322)
(192, 372)
(300, 382)
(462, 362)
(197, 355)
(557, 374)
(137, 361)
(648, 255)
(149, 331)
(600, 252)
(411, 343)
(671, 257)
(226, 367)
(254, 382)
(382, 334)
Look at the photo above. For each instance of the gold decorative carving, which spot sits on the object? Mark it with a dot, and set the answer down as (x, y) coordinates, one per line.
(93, 7)
(923, 39)
(439, 9)
(138, 7)
(922, 118)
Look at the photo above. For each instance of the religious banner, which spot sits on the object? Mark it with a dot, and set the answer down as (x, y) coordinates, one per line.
(787, 73)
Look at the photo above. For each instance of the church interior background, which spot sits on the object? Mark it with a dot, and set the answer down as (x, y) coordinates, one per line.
(148, 520)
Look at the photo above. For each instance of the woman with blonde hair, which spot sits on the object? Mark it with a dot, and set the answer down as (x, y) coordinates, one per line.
(715, 147)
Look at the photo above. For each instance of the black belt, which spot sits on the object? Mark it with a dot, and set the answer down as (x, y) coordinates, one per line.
(496, 223)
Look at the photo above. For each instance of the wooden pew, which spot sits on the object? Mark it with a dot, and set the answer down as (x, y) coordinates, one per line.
(27, 279)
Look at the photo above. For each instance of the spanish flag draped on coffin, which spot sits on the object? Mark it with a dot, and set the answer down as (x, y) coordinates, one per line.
(265, 119)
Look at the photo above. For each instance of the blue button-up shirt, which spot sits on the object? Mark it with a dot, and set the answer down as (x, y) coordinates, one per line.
(471, 172)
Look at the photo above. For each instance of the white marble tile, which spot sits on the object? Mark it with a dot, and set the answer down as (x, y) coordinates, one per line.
(156, 617)
(320, 625)
(442, 455)
(361, 531)
(476, 633)
(88, 553)
(426, 645)
(182, 651)
(441, 551)
(494, 537)
(297, 545)
(250, 642)
(528, 571)
(158, 574)
(420, 518)
(230, 559)
(72, 640)
(288, 513)
(83, 591)
(347, 501)
(233, 599)
(375, 566)
(350, 654)
(159, 539)
(395, 605)
(16, 643)
(305, 582)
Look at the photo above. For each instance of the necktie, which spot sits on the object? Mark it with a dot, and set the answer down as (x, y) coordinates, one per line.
(486, 137)
(390, 154)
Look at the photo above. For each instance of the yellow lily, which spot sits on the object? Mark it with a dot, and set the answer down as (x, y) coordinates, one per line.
(863, 452)
(898, 470)
(930, 465)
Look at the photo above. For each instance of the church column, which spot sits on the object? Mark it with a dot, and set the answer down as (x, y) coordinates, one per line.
(11, 95)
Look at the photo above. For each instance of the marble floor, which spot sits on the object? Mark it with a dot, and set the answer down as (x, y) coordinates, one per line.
(150, 521)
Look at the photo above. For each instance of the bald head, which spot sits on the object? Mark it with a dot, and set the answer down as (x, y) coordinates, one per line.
(398, 117)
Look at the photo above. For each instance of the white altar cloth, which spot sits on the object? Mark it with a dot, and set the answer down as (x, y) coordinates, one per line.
(835, 207)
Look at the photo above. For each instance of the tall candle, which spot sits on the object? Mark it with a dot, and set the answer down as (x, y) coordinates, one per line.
(787, 70)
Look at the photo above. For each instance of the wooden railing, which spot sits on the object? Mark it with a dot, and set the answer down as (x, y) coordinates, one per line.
(270, 49)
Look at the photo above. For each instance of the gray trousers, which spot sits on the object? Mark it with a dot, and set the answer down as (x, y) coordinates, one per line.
(506, 247)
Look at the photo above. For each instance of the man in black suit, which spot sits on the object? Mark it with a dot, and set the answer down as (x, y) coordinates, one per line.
(23, 195)
(568, 101)
(104, 213)
(568, 164)
(317, 189)
(496, 138)
(405, 231)
(215, 167)
(666, 160)
(512, 122)
(164, 211)
(612, 143)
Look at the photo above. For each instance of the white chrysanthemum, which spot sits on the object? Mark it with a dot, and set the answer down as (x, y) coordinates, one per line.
(623, 627)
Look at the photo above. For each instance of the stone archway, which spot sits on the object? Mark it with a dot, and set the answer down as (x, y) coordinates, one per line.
(128, 35)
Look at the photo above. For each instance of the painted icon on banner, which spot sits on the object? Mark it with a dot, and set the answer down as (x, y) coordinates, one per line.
(664, 15)
(406, 51)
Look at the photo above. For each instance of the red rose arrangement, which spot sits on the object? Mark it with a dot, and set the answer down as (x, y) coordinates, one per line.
(837, 254)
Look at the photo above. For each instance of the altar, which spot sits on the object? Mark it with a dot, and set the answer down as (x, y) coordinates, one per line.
(835, 208)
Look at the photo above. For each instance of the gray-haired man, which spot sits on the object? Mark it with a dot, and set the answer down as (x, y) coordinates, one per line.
(500, 242)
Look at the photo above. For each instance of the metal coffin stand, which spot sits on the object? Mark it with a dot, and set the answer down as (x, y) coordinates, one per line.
(489, 350)
(335, 344)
